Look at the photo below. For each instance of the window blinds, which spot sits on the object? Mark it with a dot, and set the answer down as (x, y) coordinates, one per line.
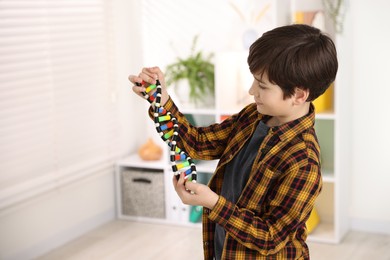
(57, 121)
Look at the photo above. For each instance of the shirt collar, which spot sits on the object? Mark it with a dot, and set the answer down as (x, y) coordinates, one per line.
(288, 130)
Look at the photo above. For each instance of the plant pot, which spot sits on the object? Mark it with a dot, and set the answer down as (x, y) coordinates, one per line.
(182, 97)
(182, 93)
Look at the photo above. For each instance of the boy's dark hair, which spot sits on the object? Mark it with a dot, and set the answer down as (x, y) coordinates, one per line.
(295, 56)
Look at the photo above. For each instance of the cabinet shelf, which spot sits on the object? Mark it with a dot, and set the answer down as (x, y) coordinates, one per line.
(178, 213)
(198, 111)
(328, 176)
(326, 204)
(206, 166)
(135, 161)
(325, 116)
(324, 232)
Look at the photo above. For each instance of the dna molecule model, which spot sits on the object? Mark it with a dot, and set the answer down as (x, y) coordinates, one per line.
(167, 127)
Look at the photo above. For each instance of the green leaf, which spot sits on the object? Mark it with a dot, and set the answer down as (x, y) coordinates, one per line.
(197, 69)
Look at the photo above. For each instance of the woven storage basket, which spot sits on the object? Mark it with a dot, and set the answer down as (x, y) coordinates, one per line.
(143, 193)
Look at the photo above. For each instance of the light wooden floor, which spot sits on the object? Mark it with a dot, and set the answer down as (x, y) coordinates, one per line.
(142, 241)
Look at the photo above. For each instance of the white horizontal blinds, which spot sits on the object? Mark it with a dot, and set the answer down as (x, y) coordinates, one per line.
(56, 115)
(25, 94)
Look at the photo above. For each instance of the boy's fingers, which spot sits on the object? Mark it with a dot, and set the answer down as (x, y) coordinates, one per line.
(149, 75)
(134, 79)
(157, 71)
(182, 179)
(190, 185)
(175, 180)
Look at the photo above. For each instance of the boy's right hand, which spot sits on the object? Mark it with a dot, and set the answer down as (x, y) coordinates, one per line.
(150, 76)
(195, 194)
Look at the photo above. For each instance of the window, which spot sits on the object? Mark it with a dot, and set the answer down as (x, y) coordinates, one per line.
(57, 120)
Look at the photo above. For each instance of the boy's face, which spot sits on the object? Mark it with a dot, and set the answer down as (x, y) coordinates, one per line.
(269, 97)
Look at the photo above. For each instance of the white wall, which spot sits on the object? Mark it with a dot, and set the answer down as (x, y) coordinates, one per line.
(128, 46)
(170, 26)
(370, 180)
(52, 219)
(34, 227)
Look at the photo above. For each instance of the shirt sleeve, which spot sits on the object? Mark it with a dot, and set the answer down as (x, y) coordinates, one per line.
(269, 229)
(203, 143)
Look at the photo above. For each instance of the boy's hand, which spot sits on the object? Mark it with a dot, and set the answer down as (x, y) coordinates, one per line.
(202, 194)
(149, 75)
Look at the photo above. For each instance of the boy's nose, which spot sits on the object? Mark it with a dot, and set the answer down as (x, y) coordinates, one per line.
(250, 91)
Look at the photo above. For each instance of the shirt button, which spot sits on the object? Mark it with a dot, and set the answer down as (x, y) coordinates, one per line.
(206, 243)
(206, 211)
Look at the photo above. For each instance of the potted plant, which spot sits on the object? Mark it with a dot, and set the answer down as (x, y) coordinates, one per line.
(198, 72)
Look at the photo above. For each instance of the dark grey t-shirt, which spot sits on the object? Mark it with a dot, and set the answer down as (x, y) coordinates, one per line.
(236, 176)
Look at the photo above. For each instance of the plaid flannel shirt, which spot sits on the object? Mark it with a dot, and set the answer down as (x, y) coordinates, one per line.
(268, 220)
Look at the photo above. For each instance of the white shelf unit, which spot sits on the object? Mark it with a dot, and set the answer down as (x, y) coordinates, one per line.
(329, 203)
(333, 130)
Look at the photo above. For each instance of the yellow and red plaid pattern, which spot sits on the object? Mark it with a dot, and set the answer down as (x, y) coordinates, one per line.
(268, 220)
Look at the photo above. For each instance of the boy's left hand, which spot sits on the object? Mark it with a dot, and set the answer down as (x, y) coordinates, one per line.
(150, 75)
(202, 195)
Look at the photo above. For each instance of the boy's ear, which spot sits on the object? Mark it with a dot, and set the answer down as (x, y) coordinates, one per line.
(300, 95)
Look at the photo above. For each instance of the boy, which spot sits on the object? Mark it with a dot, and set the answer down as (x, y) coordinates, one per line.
(268, 176)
